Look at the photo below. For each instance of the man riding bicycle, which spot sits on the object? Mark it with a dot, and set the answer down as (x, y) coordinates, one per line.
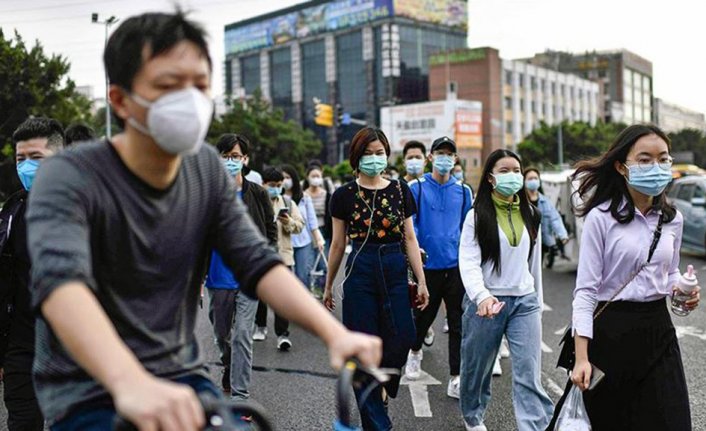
(119, 232)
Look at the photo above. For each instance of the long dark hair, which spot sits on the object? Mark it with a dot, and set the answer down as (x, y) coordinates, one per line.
(297, 193)
(600, 182)
(486, 216)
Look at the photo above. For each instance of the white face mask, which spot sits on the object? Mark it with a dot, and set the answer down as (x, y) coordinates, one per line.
(287, 183)
(178, 121)
(316, 181)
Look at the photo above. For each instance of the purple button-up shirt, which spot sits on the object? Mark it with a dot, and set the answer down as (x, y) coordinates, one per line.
(610, 254)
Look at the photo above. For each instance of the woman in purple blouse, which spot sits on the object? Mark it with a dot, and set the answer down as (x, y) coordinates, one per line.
(631, 238)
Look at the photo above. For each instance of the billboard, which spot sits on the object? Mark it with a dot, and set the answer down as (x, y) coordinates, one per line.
(452, 13)
(460, 120)
(335, 15)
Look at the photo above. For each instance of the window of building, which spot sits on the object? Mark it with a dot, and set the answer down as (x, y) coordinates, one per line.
(352, 82)
(627, 78)
(508, 127)
(533, 83)
(508, 102)
(534, 107)
(522, 81)
(313, 64)
(250, 73)
(508, 77)
(281, 79)
(553, 88)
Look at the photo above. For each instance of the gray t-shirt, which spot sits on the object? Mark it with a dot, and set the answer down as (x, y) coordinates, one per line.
(142, 252)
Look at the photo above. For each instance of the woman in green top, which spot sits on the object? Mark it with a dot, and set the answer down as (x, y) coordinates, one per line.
(499, 259)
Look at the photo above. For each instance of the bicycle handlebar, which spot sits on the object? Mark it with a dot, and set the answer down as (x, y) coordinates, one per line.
(219, 416)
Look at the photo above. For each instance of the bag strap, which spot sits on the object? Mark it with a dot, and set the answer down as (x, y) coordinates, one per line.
(655, 240)
(410, 275)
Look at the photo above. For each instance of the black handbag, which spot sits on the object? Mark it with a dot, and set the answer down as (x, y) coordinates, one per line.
(567, 355)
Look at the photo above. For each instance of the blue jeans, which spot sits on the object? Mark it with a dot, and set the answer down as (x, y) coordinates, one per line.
(376, 302)
(303, 262)
(520, 322)
(100, 417)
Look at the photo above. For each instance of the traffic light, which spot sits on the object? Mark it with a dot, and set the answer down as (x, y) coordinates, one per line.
(323, 114)
(339, 114)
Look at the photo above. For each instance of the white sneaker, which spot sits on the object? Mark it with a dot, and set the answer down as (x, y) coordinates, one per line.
(429, 338)
(504, 350)
(446, 325)
(413, 369)
(497, 369)
(454, 388)
(283, 343)
(260, 334)
(480, 427)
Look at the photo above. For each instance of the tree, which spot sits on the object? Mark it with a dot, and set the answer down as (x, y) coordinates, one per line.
(690, 140)
(580, 141)
(274, 140)
(33, 83)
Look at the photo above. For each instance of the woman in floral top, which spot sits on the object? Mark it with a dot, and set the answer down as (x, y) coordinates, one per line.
(375, 215)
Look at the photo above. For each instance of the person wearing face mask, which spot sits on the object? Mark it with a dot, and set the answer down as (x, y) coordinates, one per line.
(414, 155)
(628, 267)
(320, 198)
(552, 225)
(500, 262)
(375, 215)
(442, 204)
(35, 140)
(231, 312)
(119, 234)
(309, 242)
(289, 223)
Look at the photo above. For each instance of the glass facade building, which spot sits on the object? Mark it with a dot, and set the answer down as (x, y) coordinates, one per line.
(358, 54)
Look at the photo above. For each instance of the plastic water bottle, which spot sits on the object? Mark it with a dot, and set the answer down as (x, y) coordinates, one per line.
(687, 284)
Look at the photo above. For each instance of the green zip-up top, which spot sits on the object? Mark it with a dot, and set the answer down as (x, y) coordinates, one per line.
(510, 219)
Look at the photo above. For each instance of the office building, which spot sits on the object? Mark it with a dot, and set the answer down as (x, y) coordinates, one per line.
(516, 96)
(673, 118)
(624, 79)
(359, 54)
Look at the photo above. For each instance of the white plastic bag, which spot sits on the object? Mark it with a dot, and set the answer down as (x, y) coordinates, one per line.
(573, 415)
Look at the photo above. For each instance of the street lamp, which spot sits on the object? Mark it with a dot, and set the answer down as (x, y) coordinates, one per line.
(107, 22)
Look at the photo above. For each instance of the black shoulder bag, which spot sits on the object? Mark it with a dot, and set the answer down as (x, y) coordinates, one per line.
(567, 356)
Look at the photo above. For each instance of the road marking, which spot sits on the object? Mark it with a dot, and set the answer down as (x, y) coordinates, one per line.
(561, 331)
(690, 330)
(419, 393)
(553, 386)
(545, 348)
(547, 307)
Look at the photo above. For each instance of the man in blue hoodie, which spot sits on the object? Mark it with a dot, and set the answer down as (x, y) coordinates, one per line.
(442, 203)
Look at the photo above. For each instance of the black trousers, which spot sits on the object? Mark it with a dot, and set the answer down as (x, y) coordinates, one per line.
(644, 388)
(446, 285)
(281, 324)
(23, 412)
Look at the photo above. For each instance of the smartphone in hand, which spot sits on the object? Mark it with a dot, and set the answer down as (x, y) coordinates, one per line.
(283, 212)
(497, 307)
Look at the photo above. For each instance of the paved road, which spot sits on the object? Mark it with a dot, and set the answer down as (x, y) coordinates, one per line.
(306, 402)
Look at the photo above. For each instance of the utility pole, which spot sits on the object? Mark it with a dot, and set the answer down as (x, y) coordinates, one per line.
(107, 22)
(560, 145)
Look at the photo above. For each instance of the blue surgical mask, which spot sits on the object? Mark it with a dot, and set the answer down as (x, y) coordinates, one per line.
(532, 185)
(443, 163)
(458, 175)
(233, 166)
(414, 167)
(372, 165)
(651, 182)
(274, 192)
(508, 184)
(27, 170)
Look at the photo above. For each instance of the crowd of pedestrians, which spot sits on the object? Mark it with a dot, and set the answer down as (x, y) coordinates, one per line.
(111, 244)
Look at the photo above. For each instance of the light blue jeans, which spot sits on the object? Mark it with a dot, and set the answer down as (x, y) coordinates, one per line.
(304, 262)
(520, 321)
(241, 346)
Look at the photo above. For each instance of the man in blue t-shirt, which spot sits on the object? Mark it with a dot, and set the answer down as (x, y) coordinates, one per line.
(442, 205)
(232, 314)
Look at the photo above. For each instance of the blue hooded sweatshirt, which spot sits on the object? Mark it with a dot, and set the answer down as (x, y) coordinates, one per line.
(441, 211)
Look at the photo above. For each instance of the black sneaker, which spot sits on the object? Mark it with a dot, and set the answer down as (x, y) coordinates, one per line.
(225, 380)
(283, 343)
